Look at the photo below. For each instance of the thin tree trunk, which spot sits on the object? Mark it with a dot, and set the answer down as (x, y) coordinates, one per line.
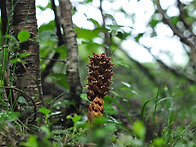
(27, 77)
(3, 16)
(72, 70)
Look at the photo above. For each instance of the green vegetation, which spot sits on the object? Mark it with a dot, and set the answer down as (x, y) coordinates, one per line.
(150, 104)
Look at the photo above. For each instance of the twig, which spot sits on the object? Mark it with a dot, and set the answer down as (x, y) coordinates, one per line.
(4, 46)
(182, 18)
(57, 60)
(177, 32)
(168, 68)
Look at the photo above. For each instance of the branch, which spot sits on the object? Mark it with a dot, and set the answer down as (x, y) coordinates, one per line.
(56, 60)
(168, 68)
(182, 18)
(177, 32)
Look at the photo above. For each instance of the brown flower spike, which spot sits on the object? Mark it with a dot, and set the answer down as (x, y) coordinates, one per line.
(100, 73)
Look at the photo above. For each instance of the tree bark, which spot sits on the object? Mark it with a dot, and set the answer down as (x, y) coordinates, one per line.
(27, 76)
(3, 16)
(72, 70)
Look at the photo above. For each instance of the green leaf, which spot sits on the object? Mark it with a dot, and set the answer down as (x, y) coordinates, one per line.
(121, 63)
(61, 50)
(44, 110)
(174, 20)
(100, 29)
(8, 116)
(86, 33)
(84, 97)
(120, 35)
(32, 142)
(47, 35)
(63, 103)
(126, 84)
(48, 26)
(11, 38)
(111, 17)
(22, 100)
(46, 130)
(159, 141)
(44, 8)
(22, 55)
(153, 23)
(76, 118)
(60, 79)
(23, 35)
(114, 28)
(15, 60)
(139, 129)
(94, 22)
(139, 36)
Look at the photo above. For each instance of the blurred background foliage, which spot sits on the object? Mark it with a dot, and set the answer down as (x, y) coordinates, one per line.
(167, 86)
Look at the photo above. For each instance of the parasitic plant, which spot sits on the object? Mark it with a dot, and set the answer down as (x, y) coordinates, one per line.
(100, 73)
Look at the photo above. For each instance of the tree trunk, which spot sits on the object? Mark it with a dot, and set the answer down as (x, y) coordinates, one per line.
(27, 77)
(72, 70)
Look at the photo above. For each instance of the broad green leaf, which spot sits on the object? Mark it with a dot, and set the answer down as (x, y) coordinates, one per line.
(22, 100)
(114, 28)
(22, 55)
(84, 97)
(48, 26)
(8, 116)
(44, 110)
(60, 79)
(139, 129)
(159, 141)
(86, 34)
(76, 118)
(23, 35)
(61, 50)
(15, 60)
